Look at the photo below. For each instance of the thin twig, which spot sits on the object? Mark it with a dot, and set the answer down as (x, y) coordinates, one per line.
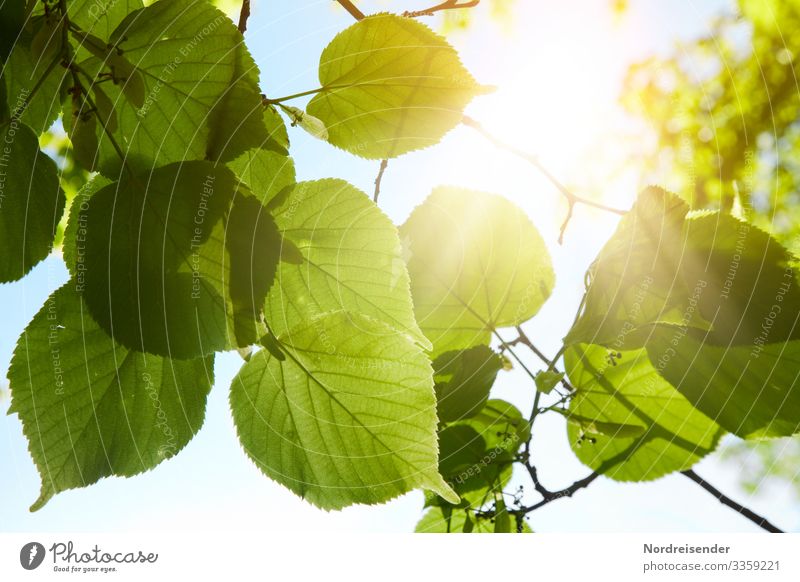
(384, 164)
(725, 500)
(571, 197)
(352, 9)
(446, 5)
(244, 14)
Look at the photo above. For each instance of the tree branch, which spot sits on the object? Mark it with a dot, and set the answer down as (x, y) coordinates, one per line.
(571, 197)
(384, 164)
(446, 5)
(352, 9)
(725, 500)
(244, 14)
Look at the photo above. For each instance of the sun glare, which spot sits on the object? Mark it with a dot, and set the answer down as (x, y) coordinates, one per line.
(558, 98)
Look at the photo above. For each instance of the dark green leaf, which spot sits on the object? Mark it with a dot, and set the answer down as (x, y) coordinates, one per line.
(463, 379)
(752, 390)
(31, 201)
(178, 261)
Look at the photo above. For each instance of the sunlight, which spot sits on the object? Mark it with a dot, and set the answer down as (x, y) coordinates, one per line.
(558, 99)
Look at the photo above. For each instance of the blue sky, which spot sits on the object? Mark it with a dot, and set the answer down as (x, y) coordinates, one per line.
(558, 70)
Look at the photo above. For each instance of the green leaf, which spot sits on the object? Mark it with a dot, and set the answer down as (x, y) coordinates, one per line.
(476, 264)
(178, 262)
(546, 380)
(653, 429)
(752, 390)
(91, 408)
(347, 417)
(462, 380)
(339, 252)
(22, 72)
(31, 201)
(434, 521)
(185, 88)
(390, 85)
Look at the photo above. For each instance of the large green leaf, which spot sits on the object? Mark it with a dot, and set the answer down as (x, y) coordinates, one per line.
(463, 379)
(476, 264)
(751, 390)
(31, 201)
(91, 408)
(340, 252)
(178, 262)
(627, 422)
(186, 88)
(390, 85)
(345, 415)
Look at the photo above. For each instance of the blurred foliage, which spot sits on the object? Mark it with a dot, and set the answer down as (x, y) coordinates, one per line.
(765, 462)
(725, 111)
(500, 12)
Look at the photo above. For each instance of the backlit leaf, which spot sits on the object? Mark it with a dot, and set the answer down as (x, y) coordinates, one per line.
(476, 263)
(390, 85)
(347, 417)
(630, 424)
(91, 408)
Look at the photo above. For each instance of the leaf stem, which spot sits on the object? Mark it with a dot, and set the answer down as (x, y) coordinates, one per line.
(268, 101)
(244, 14)
(352, 9)
(381, 170)
(737, 507)
(571, 197)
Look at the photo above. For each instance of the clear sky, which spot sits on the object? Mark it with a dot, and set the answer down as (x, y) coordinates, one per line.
(558, 67)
